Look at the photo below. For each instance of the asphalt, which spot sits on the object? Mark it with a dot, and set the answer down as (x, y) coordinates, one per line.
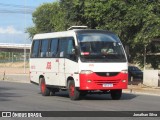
(26, 97)
(135, 87)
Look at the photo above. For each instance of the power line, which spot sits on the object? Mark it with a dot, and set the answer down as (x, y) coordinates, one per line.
(10, 9)
(20, 11)
(20, 6)
(15, 12)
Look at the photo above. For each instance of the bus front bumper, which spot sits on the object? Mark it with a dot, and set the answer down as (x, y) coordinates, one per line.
(95, 82)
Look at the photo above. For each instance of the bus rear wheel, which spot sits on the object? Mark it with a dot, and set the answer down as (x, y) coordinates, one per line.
(116, 94)
(74, 94)
(44, 90)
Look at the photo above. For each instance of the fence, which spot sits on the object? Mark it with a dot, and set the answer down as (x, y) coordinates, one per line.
(12, 57)
(13, 63)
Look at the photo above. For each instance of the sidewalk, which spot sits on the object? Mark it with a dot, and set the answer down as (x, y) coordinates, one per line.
(142, 89)
(21, 78)
(13, 70)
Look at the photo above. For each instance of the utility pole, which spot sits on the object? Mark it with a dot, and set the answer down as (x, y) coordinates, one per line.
(144, 62)
(25, 38)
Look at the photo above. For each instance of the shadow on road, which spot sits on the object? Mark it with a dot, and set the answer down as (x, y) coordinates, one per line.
(6, 94)
(108, 97)
(125, 96)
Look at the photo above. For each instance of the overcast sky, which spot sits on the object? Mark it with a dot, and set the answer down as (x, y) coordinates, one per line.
(13, 21)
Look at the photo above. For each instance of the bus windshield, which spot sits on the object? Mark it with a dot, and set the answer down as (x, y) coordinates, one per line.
(100, 47)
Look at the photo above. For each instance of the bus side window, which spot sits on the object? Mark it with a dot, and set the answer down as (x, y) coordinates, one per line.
(53, 47)
(71, 49)
(35, 49)
(44, 48)
(62, 48)
(66, 48)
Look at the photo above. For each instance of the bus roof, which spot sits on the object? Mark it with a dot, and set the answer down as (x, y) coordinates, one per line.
(68, 33)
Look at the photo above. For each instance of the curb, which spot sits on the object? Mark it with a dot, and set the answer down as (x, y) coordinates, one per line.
(21, 78)
(17, 81)
(142, 92)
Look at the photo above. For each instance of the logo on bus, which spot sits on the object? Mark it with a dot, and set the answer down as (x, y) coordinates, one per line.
(107, 74)
(33, 67)
(49, 66)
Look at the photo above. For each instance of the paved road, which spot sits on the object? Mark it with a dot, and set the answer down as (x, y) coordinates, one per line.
(26, 97)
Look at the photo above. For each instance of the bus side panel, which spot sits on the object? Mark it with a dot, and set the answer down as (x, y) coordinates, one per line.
(47, 67)
(61, 71)
(34, 77)
(71, 70)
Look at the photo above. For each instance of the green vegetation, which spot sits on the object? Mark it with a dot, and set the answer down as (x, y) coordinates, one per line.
(136, 22)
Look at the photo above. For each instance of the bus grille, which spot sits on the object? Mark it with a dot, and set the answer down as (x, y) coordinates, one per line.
(107, 74)
(101, 82)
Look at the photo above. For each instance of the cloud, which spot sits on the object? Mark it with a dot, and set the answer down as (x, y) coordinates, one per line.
(9, 30)
(15, 38)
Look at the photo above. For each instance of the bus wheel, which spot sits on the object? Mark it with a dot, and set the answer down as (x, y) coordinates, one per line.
(44, 90)
(116, 94)
(74, 94)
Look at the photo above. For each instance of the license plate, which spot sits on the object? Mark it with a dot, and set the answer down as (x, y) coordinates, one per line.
(107, 85)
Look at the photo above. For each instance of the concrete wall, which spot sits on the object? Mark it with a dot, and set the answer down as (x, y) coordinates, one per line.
(151, 78)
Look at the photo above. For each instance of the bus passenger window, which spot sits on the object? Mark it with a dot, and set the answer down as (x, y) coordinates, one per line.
(71, 49)
(66, 48)
(53, 49)
(35, 49)
(62, 48)
(44, 48)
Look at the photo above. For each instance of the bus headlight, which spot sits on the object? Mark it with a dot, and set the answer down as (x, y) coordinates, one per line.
(123, 81)
(124, 71)
(86, 72)
(89, 81)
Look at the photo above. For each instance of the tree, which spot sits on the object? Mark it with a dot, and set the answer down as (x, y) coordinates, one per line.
(47, 18)
(136, 22)
(32, 31)
(42, 17)
(74, 12)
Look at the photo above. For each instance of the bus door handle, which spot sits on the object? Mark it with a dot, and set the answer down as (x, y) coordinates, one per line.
(75, 72)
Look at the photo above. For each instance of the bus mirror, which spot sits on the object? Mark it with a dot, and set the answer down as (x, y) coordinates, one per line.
(73, 51)
(76, 50)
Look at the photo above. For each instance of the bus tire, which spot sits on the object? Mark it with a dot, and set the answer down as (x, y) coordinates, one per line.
(116, 94)
(44, 90)
(74, 94)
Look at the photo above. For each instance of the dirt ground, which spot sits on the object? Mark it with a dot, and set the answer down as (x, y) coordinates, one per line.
(14, 68)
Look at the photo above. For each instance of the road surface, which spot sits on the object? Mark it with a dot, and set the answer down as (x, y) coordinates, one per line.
(27, 97)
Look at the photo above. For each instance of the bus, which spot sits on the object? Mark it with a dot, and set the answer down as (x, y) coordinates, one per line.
(80, 61)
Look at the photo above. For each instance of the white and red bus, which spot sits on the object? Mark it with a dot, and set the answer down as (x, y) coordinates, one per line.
(82, 61)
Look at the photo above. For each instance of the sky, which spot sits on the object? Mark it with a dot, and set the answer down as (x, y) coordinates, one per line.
(13, 21)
